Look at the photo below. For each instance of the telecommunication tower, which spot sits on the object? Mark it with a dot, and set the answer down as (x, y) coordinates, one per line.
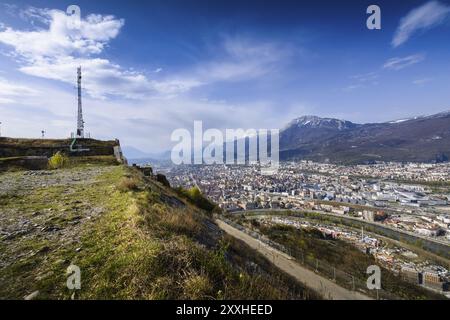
(80, 122)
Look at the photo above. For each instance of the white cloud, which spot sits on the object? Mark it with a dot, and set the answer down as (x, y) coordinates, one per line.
(51, 51)
(9, 92)
(422, 81)
(102, 78)
(401, 63)
(366, 77)
(145, 124)
(60, 39)
(245, 59)
(425, 17)
(363, 80)
(240, 59)
(55, 50)
(352, 87)
(9, 9)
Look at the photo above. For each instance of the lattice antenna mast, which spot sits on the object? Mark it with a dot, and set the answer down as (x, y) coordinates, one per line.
(80, 122)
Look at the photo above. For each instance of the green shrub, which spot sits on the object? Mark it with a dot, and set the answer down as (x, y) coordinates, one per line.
(195, 196)
(58, 161)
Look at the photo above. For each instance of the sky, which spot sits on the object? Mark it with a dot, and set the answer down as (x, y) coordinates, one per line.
(155, 66)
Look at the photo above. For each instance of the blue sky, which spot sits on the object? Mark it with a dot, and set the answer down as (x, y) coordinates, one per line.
(155, 66)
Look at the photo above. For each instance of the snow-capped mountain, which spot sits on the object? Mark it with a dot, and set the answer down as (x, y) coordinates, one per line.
(419, 139)
(317, 122)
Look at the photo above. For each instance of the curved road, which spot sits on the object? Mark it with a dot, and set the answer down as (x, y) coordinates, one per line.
(327, 288)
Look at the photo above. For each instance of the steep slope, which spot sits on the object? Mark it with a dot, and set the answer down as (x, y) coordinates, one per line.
(422, 139)
(131, 236)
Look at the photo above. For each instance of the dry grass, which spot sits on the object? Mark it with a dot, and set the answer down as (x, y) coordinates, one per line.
(180, 221)
(128, 184)
(197, 287)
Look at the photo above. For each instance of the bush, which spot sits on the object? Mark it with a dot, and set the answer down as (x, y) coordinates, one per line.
(163, 180)
(128, 184)
(58, 161)
(195, 196)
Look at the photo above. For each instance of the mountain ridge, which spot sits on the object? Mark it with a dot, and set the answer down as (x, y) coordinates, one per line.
(418, 139)
(424, 138)
(316, 122)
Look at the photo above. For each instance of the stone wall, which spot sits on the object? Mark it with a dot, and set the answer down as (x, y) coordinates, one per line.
(28, 163)
(10, 147)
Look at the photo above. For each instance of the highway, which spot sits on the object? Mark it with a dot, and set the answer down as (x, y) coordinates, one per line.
(327, 288)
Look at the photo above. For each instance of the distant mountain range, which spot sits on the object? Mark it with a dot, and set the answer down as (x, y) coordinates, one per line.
(420, 139)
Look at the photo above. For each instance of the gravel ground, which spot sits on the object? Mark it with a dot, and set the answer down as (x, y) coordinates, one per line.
(41, 211)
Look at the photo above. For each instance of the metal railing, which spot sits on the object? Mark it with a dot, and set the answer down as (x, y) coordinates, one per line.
(342, 278)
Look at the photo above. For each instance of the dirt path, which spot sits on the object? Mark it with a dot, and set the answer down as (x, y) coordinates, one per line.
(323, 286)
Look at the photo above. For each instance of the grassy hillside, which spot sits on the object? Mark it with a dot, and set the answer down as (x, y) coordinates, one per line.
(132, 238)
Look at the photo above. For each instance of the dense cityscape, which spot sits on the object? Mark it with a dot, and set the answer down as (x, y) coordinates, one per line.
(411, 198)
(367, 192)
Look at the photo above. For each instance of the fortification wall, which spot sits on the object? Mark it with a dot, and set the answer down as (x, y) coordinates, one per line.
(12, 147)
